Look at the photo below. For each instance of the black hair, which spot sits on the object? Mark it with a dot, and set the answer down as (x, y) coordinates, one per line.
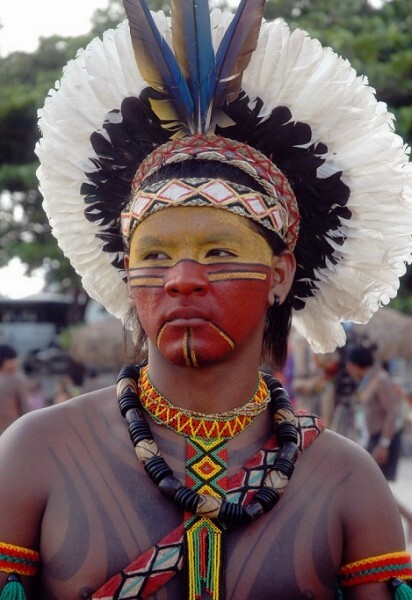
(6, 353)
(361, 356)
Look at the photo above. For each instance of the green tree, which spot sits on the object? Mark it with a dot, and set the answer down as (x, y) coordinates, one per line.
(24, 82)
(107, 18)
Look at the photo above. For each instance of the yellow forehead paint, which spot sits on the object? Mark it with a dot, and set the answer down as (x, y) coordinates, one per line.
(203, 234)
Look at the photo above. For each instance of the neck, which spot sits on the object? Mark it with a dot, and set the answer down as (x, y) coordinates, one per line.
(366, 371)
(212, 389)
(365, 377)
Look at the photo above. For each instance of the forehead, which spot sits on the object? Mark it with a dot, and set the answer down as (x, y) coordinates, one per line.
(195, 223)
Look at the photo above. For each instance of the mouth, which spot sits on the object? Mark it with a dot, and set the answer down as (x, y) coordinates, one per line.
(186, 322)
(186, 316)
(181, 321)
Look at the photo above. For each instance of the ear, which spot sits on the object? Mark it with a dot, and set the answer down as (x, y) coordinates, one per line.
(282, 274)
(126, 262)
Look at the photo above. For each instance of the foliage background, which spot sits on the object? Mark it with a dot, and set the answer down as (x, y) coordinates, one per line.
(376, 40)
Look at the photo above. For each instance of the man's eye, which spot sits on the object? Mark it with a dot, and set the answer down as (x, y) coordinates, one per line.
(220, 253)
(156, 256)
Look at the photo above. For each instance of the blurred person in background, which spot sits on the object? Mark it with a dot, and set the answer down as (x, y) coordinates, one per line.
(13, 387)
(65, 389)
(317, 391)
(382, 402)
(382, 406)
(36, 398)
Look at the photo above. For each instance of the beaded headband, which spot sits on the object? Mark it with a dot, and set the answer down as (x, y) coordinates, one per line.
(239, 199)
(277, 212)
(275, 105)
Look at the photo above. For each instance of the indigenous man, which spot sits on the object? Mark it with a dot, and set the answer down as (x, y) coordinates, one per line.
(233, 214)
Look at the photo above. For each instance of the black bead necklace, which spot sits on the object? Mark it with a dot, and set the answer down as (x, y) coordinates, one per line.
(205, 505)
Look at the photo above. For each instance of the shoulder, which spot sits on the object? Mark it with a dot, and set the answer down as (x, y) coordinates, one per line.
(28, 446)
(34, 432)
(349, 470)
(381, 375)
(359, 494)
(347, 456)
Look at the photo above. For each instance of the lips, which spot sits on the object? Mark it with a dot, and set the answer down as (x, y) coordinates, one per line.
(186, 314)
(193, 322)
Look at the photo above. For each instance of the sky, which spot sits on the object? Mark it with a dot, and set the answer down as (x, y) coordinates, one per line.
(24, 22)
(15, 284)
(22, 25)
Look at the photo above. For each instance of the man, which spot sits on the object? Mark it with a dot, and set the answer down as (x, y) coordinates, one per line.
(82, 487)
(205, 498)
(13, 391)
(382, 407)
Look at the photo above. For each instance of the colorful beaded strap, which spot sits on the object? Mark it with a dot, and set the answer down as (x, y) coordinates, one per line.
(395, 567)
(155, 567)
(15, 559)
(207, 511)
(376, 568)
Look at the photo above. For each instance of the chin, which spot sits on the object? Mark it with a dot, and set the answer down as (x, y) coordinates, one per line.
(196, 358)
(195, 348)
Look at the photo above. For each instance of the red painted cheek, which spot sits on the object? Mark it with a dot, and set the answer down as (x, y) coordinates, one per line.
(243, 303)
(146, 302)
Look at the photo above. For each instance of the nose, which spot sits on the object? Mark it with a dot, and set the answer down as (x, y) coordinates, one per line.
(187, 277)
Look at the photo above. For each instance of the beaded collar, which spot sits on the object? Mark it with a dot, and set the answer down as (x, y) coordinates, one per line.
(161, 474)
(195, 424)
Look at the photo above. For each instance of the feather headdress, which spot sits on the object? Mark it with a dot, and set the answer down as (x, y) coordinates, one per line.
(153, 80)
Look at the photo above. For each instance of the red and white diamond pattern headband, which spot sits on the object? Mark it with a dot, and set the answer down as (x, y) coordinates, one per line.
(277, 210)
(217, 193)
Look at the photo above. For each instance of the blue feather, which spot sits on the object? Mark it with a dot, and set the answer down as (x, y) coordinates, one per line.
(156, 61)
(236, 49)
(192, 43)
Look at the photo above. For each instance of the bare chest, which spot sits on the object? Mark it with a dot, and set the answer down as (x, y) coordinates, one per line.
(106, 512)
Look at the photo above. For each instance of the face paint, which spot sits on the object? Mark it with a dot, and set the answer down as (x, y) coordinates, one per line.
(200, 279)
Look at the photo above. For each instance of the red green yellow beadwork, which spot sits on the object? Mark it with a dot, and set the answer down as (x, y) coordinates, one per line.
(223, 426)
(16, 559)
(377, 568)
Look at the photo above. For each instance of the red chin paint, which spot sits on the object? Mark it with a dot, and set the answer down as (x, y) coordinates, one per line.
(196, 344)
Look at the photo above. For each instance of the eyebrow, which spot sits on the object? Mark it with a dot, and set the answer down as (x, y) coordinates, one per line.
(148, 240)
(222, 237)
(210, 238)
